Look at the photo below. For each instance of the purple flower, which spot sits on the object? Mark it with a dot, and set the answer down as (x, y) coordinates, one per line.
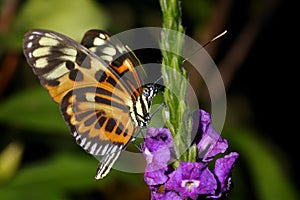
(191, 179)
(155, 177)
(157, 137)
(157, 148)
(157, 151)
(223, 167)
(211, 142)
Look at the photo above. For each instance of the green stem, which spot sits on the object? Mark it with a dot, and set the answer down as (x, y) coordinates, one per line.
(175, 78)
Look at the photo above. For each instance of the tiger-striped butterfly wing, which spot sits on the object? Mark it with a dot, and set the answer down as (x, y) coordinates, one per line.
(117, 56)
(99, 107)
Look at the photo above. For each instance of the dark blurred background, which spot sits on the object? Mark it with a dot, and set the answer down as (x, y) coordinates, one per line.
(257, 59)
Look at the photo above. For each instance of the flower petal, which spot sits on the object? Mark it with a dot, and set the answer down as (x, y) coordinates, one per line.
(169, 195)
(155, 177)
(157, 137)
(157, 153)
(158, 159)
(191, 179)
(211, 142)
(223, 167)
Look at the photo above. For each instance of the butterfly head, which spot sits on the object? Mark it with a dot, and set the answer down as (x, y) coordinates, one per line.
(143, 104)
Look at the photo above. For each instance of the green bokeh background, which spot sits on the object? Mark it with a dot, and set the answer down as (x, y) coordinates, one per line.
(39, 158)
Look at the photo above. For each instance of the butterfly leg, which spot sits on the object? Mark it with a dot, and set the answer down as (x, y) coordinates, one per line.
(134, 141)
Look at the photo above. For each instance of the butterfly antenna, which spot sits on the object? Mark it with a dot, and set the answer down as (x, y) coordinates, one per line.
(207, 43)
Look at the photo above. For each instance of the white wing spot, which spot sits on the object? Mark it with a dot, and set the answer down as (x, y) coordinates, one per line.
(106, 57)
(42, 51)
(103, 152)
(93, 49)
(31, 37)
(98, 41)
(93, 148)
(44, 41)
(114, 149)
(37, 33)
(52, 36)
(69, 51)
(68, 57)
(57, 72)
(109, 51)
(109, 149)
(82, 141)
(98, 150)
(102, 36)
(41, 63)
(87, 145)
(90, 97)
(77, 137)
(29, 45)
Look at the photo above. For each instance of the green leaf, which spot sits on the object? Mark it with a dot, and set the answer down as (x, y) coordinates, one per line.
(63, 174)
(10, 159)
(266, 167)
(50, 179)
(33, 110)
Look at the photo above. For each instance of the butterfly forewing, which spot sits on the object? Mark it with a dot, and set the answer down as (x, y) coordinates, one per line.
(94, 100)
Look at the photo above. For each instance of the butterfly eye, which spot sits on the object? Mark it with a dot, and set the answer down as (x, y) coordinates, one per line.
(146, 92)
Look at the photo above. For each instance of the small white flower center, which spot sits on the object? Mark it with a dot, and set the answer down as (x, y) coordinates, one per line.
(190, 184)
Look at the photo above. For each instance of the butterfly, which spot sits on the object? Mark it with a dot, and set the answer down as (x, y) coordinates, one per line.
(95, 82)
